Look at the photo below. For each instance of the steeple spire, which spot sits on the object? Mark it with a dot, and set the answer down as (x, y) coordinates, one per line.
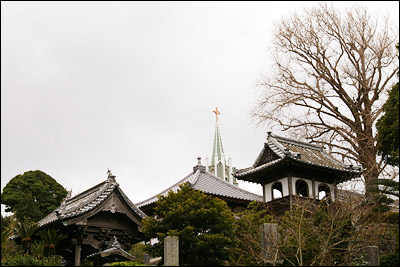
(218, 164)
(218, 150)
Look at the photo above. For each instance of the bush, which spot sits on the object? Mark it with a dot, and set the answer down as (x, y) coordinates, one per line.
(247, 250)
(391, 259)
(28, 260)
(126, 263)
(203, 224)
(391, 217)
(138, 250)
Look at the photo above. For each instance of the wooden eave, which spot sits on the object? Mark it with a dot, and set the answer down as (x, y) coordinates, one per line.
(288, 165)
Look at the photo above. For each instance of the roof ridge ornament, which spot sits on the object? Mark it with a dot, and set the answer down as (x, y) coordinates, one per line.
(110, 178)
(199, 166)
(61, 209)
(115, 243)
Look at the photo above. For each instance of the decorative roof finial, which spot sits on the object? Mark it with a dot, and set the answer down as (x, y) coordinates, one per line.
(110, 176)
(199, 166)
(115, 243)
(216, 113)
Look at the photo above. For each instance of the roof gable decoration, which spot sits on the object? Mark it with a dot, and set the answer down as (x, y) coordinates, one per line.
(266, 155)
(89, 200)
(84, 204)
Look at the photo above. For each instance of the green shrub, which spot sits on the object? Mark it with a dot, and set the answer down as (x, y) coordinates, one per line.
(138, 250)
(391, 259)
(28, 260)
(126, 263)
(391, 217)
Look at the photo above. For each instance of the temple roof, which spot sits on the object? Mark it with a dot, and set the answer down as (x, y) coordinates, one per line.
(277, 149)
(208, 183)
(87, 201)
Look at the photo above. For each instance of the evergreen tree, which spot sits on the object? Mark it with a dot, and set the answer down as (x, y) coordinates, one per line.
(203, 224)
(32, 195)
(388, 128)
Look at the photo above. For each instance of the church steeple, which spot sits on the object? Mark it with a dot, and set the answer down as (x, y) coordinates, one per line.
(218, 164)
(218, 150)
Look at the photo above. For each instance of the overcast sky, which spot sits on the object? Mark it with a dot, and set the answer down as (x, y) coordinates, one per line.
(131, 86)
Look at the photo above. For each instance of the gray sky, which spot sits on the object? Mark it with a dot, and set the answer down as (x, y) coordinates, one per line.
(131, 86)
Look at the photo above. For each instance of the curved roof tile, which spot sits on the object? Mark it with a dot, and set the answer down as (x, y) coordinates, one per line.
(208, 183)
(87, 201)
(299, 151)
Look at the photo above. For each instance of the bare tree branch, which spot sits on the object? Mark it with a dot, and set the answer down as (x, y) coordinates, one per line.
(330, 79)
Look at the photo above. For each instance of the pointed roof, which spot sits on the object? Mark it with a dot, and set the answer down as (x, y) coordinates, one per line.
(218, 150)
(208, 183)
(279, 149)
(88, 201)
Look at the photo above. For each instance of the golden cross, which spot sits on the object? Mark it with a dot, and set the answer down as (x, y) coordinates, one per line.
(216, 113)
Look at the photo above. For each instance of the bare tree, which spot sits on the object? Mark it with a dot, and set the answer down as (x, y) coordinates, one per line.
(330, 79)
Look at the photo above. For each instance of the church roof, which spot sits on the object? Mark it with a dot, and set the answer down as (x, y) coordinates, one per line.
(278, 149)
(87, 201)
(208, 183)
(218, 150)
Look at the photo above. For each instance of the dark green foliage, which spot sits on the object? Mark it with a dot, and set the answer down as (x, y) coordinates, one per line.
(29, 260)
(388, 129)
(379, 203)
(51, 237)
(6, 229)
(26, 230)
(392, 259)
(126, 263)
(6, 233)
(203, 224)
(387, 186)
(6, 222)
(32, 195)
(138, 250)
(391, 217)
(248, 235)
(37, 249)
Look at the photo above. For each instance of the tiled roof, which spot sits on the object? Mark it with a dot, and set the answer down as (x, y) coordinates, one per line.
(87, 201)
(208, 183)
(298, 151)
